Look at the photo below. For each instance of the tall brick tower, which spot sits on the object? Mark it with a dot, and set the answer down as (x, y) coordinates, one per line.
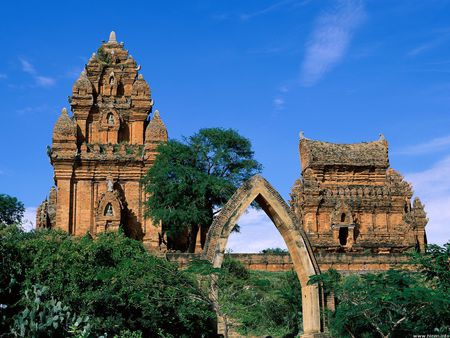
(356, 211)
(100, 153)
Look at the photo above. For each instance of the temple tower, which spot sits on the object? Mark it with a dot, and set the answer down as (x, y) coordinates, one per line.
(100, 153)
(355, 209)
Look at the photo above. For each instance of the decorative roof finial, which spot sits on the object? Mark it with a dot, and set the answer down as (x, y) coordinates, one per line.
(112, 37)
(156, 114)
(64, 111)
(110, 185)
(382, 138)
(302, 135)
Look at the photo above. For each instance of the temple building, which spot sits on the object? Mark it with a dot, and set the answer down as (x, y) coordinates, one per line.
(354, 208)
(356, 211)
(100, 153)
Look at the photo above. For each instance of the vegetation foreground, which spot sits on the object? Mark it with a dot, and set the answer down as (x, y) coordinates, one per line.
(56, 285)
(52, 284)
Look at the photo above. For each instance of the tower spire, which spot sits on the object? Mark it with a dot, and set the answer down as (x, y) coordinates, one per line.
(112, 37)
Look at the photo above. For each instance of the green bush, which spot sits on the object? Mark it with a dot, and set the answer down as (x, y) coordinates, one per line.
(113, 280)
(260, 302)
(392, 303)
(43, 317)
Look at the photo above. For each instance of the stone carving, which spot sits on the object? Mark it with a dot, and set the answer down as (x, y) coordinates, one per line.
(109, 211)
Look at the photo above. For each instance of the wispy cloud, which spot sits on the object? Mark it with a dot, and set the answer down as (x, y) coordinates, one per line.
(440, 36)
(433, 188)
(265, 10)
(422, 48)
(45, 81)
(33, 109)
(434, 145)
(272, 8)
(27, 67)
(330, 39)
(3, 76)
(40, 80)
(278, 103)
(257, 233)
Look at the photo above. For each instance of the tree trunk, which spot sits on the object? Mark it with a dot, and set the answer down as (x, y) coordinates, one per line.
(192, 238)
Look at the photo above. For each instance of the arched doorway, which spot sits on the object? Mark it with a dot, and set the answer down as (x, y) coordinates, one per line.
(259, 190)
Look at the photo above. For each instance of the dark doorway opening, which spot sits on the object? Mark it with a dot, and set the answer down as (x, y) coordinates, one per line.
(343, 235)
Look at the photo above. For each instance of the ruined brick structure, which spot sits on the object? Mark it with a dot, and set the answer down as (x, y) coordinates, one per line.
(354, 208)
(100, 154)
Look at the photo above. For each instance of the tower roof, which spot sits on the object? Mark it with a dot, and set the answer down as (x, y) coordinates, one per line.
(156, 130)
(365, 154)
(64, 126)
(82, 84)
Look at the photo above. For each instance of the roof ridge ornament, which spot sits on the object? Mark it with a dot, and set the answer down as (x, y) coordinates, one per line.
(382, 138)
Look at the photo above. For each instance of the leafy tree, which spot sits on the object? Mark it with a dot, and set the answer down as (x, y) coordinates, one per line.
(113, 280)
(435, 265)
(274, 251)
(388, 304)
(256, 303)
(11, 210)
(190, 181)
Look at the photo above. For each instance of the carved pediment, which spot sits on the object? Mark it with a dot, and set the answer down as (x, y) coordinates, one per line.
(109, 211)
(342, 216)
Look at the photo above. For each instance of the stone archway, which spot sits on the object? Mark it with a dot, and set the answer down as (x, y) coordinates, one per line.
(259, 190)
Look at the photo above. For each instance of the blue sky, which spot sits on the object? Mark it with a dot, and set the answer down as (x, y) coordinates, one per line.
(341, 71)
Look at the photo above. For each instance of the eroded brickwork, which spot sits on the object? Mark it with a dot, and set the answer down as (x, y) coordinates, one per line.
(355, 210)
(101, 152)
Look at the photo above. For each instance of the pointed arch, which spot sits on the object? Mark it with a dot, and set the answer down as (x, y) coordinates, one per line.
(259, 189)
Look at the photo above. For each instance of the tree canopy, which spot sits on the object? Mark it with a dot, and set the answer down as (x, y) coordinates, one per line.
(191, 180)
(394, 303)
(11, 209)
(52, 284)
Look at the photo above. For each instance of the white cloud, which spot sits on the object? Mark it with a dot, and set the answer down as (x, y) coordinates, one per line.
(330, 39)
(422, 48)
(29, 219)
(433, 188)
(42, 81)
(436, 144)
(257, 233)
(27, 67)
(45, 81)
(278, 103)
(271, 8)
(34, 109)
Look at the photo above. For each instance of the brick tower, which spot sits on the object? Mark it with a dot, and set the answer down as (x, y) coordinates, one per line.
(356, 211)
(100, 153)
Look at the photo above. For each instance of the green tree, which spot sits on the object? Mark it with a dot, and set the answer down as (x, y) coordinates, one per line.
(113, 280)
(11, 210)
(260, 303)
(388, 304)
(190, 181)
(435, 265)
